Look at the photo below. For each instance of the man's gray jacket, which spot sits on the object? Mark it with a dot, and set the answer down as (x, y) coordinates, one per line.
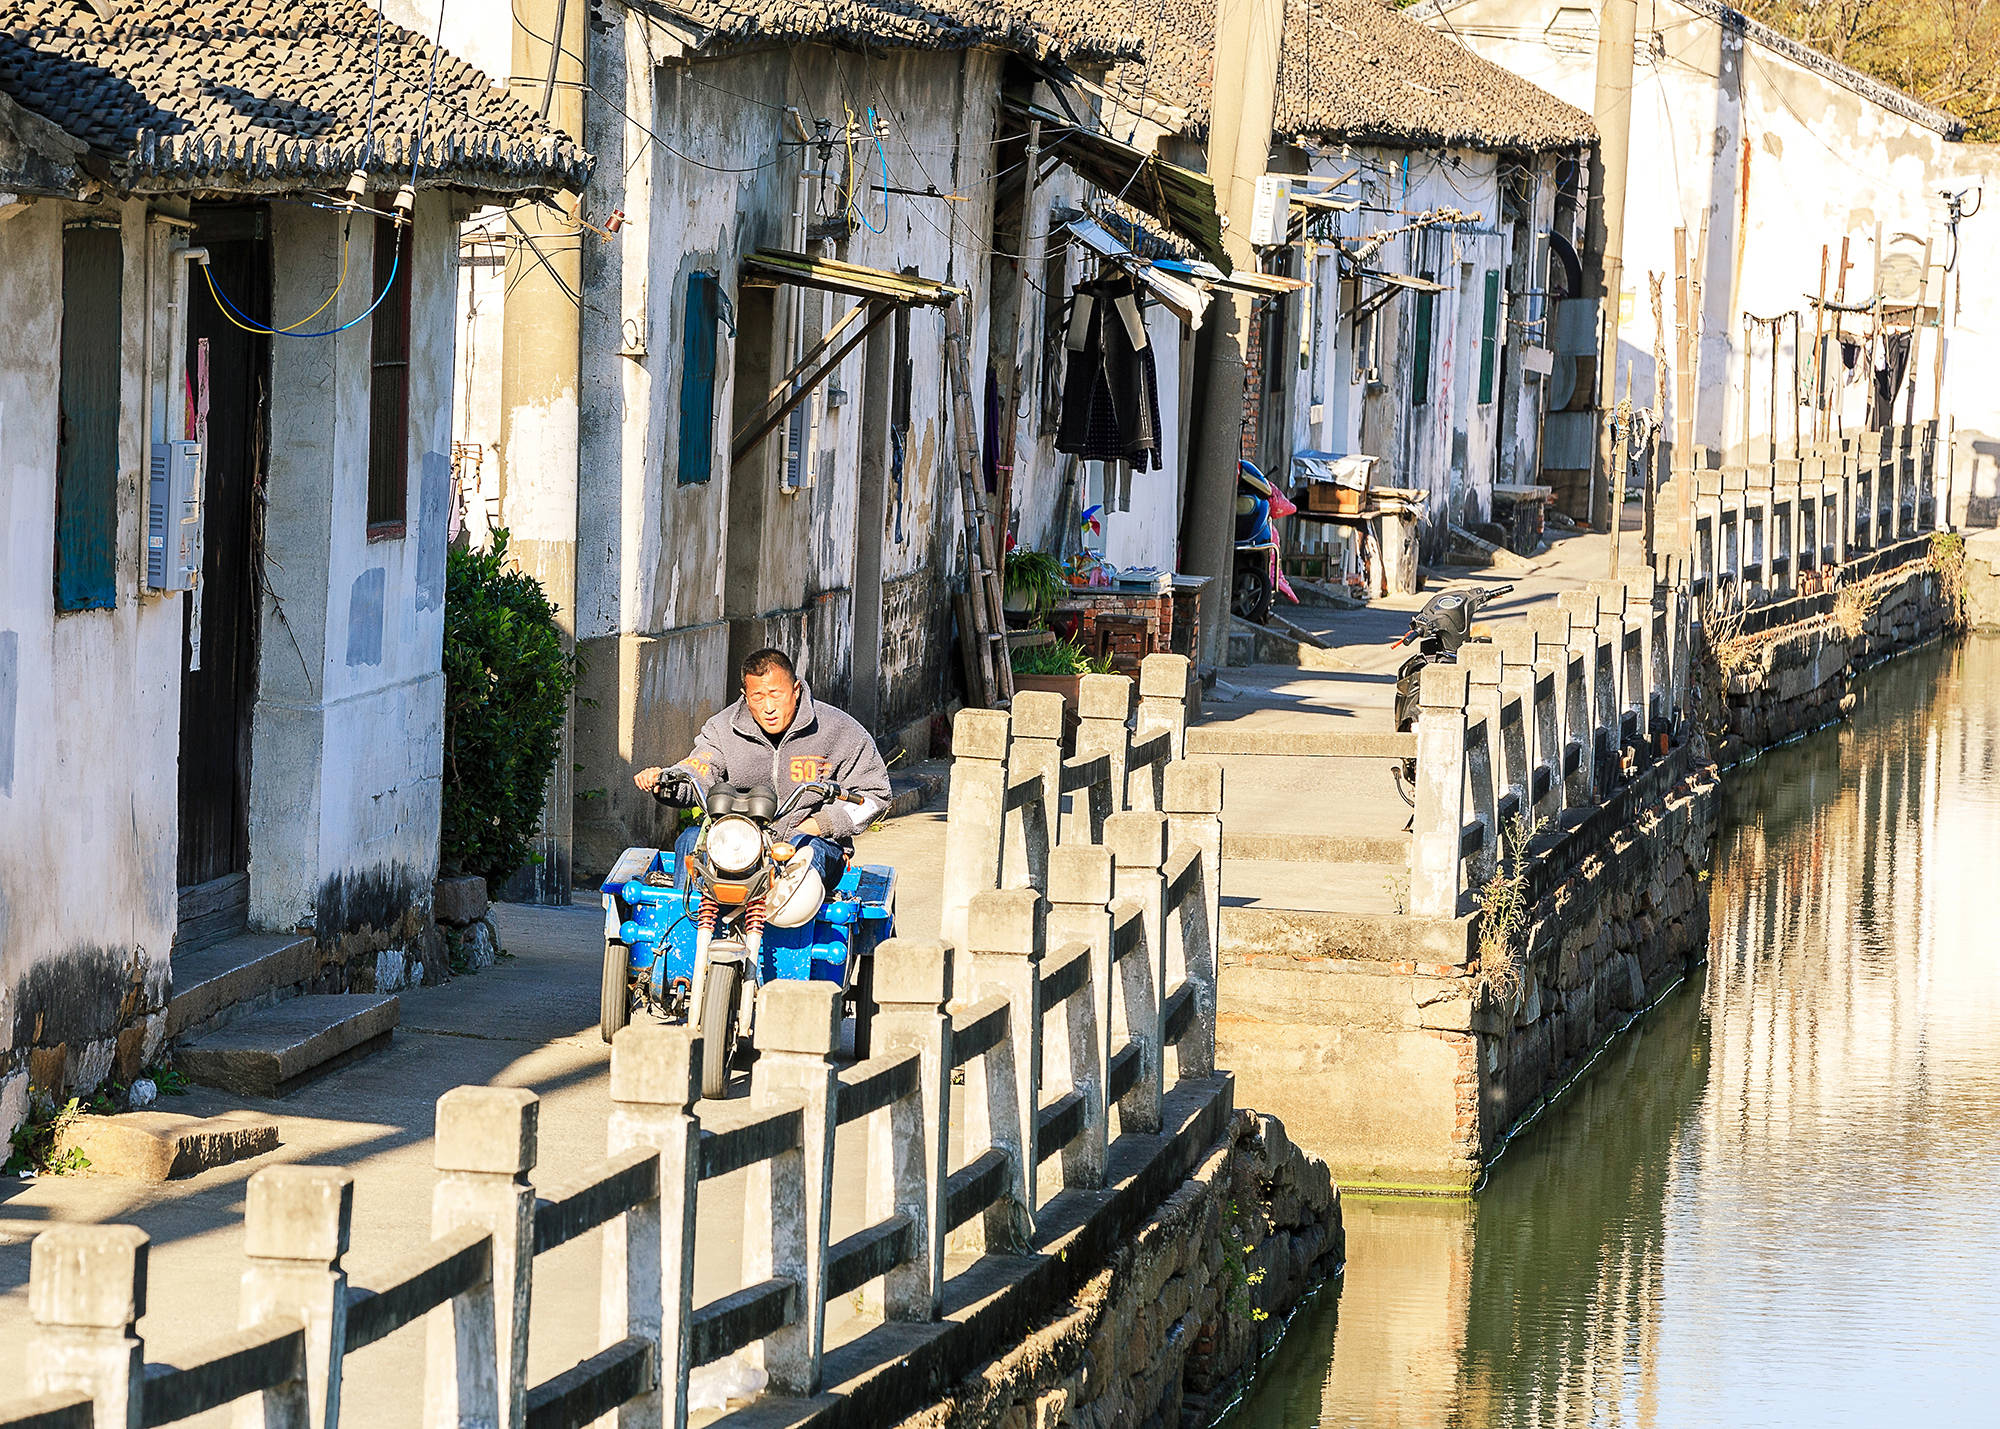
(820, 743)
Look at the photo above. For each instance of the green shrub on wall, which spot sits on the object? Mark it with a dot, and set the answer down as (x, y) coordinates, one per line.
(507, 683)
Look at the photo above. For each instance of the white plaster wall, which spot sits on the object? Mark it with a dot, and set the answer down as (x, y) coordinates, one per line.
(1780, 159)
(348, 735)
(89, 700)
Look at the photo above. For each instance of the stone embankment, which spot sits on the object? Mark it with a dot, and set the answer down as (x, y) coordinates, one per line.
(1170, 1330)
(1787, 666)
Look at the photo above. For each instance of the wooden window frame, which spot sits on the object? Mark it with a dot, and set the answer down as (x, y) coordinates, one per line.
(1422, 323)
(389, 387)
(1489, 338)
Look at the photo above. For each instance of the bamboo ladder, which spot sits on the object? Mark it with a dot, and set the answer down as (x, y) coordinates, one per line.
(987, 634)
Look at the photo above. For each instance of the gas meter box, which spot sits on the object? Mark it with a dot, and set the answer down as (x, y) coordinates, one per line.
(1271, 216)
(173, 516)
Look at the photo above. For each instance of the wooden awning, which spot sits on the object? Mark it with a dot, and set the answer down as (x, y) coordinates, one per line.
(1180, 198)
(773, 266)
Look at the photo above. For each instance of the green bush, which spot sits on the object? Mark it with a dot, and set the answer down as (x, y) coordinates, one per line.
(507, 683)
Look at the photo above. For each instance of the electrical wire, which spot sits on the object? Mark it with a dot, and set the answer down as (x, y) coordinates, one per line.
(243, 320)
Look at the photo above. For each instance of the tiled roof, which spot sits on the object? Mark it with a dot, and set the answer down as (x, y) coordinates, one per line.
(1356, 71)
(260, 95)
(1073, 31)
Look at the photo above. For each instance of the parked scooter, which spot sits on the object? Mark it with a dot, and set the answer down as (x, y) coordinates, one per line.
(750, 909)
(1438, 630)
(1259, 504)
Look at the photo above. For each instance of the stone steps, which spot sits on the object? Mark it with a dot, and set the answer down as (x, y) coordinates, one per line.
(215, 985)
(270, 1052)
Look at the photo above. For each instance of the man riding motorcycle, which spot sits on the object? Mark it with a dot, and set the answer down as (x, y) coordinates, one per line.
(778, 736)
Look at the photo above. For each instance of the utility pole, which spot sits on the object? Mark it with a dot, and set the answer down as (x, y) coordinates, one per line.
(539, 387)
(1617, 31)
(1245, 93)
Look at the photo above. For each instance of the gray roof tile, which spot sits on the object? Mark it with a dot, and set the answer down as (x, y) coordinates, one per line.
(249, 95)
(1355, 71)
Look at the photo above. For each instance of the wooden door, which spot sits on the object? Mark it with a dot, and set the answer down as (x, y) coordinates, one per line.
(230, 367)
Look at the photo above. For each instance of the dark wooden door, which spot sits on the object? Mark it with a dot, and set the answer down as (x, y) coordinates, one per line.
(217, 698)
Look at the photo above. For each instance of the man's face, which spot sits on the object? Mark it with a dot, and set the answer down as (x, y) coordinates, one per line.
(773, 698)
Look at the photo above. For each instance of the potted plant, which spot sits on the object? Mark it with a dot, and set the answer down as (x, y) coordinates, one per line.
(1058, 667)
(1031, 583)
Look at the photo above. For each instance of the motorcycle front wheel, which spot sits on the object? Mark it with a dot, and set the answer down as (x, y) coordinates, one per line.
(718, 1026)
(614, 991)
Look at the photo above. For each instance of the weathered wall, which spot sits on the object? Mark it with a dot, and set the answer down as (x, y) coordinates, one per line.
(659, 621)
(347, 741)
(89, 714)
(1172, 1328)
(1779, 157)
(1792, 674)
(1982, 581)
(1402, 1061)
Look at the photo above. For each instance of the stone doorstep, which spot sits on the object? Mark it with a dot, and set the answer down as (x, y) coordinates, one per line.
(894, 1370)
(210, 983)
(914, 786)
(164, 1145)
(271, 1053)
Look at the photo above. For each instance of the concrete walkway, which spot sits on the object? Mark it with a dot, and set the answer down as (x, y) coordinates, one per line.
(1328, 834)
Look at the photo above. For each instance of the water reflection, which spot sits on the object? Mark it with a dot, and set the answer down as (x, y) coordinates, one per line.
(1778, 1202)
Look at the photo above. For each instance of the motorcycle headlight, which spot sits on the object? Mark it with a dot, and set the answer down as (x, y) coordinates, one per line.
(735, 844)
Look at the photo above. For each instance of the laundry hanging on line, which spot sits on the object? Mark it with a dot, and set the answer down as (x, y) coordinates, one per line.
(1111, 389)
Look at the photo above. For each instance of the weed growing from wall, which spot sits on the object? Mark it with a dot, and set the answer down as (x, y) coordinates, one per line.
(34, 1142)
(1947, 560)
(1503, 912)
(507, 682)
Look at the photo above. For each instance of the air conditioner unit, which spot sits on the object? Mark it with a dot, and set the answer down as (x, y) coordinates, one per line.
(1271, 216)
(173, 516)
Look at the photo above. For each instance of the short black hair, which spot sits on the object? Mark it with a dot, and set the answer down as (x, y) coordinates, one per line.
(762, 662)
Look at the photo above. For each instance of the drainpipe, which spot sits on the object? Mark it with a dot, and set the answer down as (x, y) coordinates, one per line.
(1617, 31)
(1239, 151)
(539, 356)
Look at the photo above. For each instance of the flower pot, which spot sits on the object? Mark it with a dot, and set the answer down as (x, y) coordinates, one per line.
(1067, 686)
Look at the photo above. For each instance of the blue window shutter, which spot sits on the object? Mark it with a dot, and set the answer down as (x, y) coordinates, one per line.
(87, 403)
(698, 379)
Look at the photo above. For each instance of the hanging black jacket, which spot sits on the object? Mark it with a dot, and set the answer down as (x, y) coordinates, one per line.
(1111, 392)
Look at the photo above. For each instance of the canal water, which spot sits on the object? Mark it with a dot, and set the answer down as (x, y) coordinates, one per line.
(1774, 1201)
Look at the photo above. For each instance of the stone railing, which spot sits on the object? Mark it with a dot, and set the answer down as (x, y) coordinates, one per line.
(1544, 718)
(1078, 981)
(1772, 530)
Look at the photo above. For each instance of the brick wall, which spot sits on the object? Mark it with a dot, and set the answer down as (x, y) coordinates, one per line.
(1253, 382)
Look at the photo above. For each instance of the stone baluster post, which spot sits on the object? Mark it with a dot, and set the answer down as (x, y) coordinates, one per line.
(1194, 817)
(798, 1031)
(478, 1344)
(1647, 609)
(295, 1230)
(1587, 639)
(1036, 749)
(1519, 741)
(1530, 678)
(1552, 636)
(1622, 616)
(1002, 1102)
(86, 1294)
(647, 1287)
(1163, 683)
(1439, 821)
(975, 819)
(1104, 712)
(1080, 912)
(1484, 669)
(1138, 843)
(909, 1153)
